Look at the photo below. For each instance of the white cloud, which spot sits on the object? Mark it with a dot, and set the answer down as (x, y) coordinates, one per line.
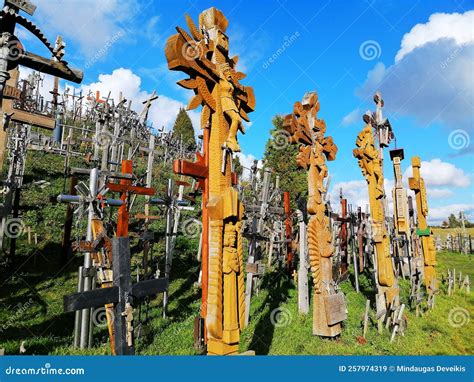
(456, 26)
(151, 31)
(355, 191)
(434, 81)
(439, 193)
(351, 118)
(439, 173)
(437, 214)
(247, 161)
(89, 23)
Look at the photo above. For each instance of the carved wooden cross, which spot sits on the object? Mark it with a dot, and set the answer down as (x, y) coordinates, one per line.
(204, 56)
(387, 298)
(315, 148)
(417, 184)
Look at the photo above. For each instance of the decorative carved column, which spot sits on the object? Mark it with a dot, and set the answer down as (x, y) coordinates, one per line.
(204, 56)
(315, 148)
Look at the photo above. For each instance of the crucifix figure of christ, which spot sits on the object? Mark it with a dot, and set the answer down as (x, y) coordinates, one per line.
(204, 56)
(315, 148)
(369, 161)
(417, 184)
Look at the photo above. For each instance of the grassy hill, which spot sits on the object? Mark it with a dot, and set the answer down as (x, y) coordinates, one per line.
(37, 278)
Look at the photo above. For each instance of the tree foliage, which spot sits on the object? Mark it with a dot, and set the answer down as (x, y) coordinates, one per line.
(280, 156)
(183, 129)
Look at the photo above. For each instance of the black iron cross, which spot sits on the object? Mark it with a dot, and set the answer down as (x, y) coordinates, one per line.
(123, 294)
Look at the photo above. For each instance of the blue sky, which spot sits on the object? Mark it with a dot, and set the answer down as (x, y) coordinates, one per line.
(418, 53)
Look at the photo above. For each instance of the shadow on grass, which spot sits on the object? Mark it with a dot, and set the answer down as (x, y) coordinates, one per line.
(278, 286)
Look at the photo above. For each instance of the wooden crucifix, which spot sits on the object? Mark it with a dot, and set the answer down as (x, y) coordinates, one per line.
(204, 56)
(117, 292)
(387, 298)
(417, 184)
(315, 148)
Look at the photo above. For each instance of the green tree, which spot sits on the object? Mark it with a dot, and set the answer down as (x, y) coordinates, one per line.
(183, 129)
(280, 156)
(238, 169)
(452, 221)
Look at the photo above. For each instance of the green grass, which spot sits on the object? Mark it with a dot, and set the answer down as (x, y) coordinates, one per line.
(46, 330)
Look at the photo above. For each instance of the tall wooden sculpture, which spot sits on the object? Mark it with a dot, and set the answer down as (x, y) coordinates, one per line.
(307, 130)
(417, 184)
(204, 56)
(400, 214)
(369, 161)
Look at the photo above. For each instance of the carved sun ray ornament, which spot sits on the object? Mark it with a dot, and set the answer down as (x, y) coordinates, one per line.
(315, 148)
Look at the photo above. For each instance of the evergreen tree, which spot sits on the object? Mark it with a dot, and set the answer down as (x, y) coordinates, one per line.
(238, 169)
(183, 129)
(280, 156)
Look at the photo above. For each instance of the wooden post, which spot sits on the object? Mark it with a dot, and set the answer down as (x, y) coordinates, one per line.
(303, 291)
(68, 222)
(366, 318)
